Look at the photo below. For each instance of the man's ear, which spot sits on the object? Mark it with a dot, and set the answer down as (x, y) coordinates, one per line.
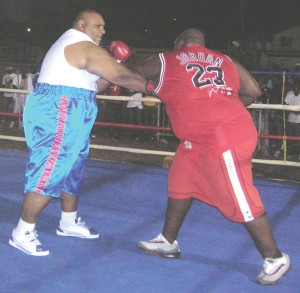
(178, 44)
(81, 24)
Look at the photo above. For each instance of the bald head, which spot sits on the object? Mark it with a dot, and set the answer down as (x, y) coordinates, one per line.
(189, 37)
(83, 16)
(91, 23)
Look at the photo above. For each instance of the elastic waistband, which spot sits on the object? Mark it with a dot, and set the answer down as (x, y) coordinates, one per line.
(62, 90)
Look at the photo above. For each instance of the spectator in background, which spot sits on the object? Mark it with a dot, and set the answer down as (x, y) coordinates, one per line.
(293, 125)
(26, 83)
(269, 83)
(277, 118)
(150, 114)
(9, 81)
(266, 94)
(134, 113)
(261, 119)
(35, 77)
(113, 109)
(276, 127)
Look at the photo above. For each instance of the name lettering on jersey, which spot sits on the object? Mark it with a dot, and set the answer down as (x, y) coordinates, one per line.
(185, 58)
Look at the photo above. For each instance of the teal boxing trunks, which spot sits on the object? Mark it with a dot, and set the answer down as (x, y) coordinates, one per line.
(57, 123)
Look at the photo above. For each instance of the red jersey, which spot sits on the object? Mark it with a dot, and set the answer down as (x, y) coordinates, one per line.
(200, 90)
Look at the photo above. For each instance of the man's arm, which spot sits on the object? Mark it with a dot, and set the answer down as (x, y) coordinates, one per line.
(102, 84)
(249, 88)
(96, 60)
(150, 68)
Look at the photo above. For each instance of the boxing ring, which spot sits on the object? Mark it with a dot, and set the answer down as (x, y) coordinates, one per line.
(126, 203)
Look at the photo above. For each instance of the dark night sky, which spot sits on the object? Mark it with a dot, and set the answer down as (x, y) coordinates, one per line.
(152, 23)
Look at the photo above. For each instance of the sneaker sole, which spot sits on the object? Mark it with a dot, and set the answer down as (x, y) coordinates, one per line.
(76, 235)
(268, 283)
(174, 255)
(13, 244)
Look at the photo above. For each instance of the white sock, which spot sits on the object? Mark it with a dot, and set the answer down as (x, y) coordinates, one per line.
(23, 227)
(67, 219)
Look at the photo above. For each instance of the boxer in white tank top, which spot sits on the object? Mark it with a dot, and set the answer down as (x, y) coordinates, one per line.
(58, 118)
(56, 70)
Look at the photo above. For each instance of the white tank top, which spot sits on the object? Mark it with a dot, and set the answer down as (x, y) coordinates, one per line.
(56, 70)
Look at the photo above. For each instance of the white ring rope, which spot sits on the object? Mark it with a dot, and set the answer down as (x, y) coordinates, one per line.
(161, 153)
(128, 98)
(102, 97)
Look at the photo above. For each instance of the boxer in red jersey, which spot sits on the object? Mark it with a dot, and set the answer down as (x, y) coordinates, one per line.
(205, 93)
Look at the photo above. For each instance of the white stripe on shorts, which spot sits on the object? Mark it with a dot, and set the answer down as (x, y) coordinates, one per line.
(238, 190)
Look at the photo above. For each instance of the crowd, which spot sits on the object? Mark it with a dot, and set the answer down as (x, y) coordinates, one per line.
(138, 112)
(277, 122)
(23, 79)
(133, 112)
(111, 111)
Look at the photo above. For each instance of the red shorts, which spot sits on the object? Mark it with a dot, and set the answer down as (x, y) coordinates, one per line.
(223, 181)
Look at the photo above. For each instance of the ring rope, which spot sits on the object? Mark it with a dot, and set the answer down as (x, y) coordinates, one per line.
(282, 107)
(161, 153)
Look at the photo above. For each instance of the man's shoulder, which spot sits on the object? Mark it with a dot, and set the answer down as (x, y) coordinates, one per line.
(73, 36)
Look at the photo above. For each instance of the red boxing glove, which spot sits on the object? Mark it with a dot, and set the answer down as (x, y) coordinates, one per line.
(120, 51)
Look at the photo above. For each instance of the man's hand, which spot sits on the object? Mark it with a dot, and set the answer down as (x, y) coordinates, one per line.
(150, 87)
(120, 51)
